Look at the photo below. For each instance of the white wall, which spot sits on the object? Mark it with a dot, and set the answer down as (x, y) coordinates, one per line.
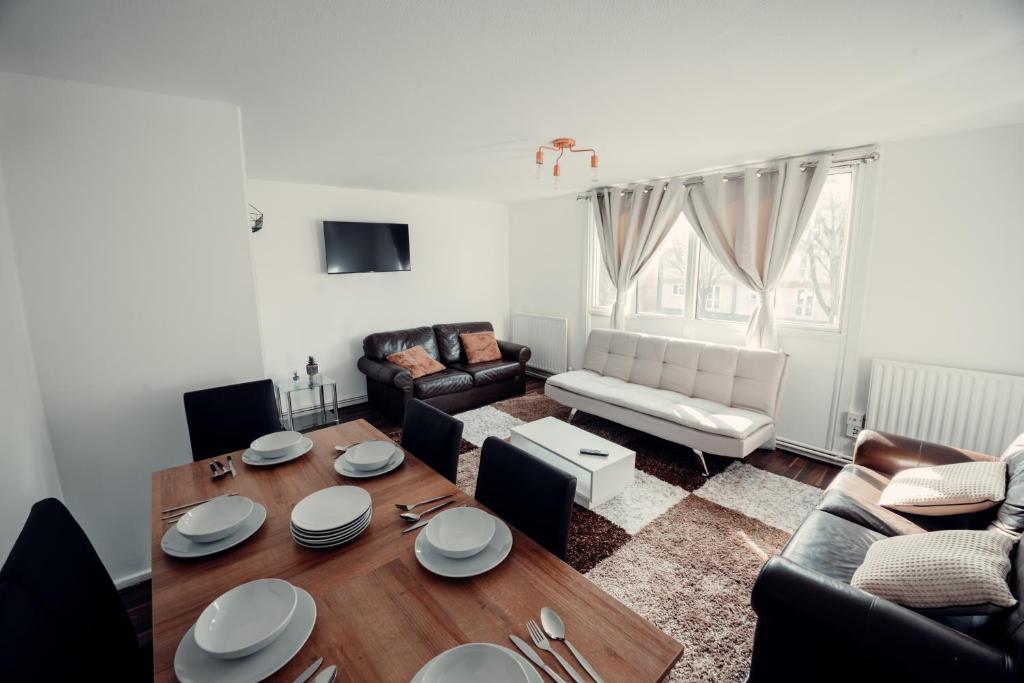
(128, 214)
(29, 470)
(945, 284)
(460, 265)
(548, 255)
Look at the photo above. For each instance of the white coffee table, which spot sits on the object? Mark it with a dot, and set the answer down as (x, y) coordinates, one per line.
(558, 443)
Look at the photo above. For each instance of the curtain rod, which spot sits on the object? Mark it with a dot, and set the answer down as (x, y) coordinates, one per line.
(697, 179)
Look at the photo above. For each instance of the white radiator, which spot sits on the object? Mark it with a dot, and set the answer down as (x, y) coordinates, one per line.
(980, 411)
(547, 338)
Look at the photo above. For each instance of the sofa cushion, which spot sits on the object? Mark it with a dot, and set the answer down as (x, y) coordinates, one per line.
(448, 344)
(703, 415)
(960, 569)
(649, 361)
(758, 378)
(1010, 517)
(448, 381)
(716, 372)
(380, 345)
(944, 490)
(830, 545)
(417, 361)
(488, 373)
(679, 371)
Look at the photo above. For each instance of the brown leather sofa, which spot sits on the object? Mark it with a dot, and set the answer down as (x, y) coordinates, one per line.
(461, 386)
(813, 626)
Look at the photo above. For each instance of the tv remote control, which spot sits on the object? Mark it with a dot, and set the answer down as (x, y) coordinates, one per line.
(593, 451)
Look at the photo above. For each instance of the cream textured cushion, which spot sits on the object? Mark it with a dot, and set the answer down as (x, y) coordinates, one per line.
(946, 489)
(940, 569)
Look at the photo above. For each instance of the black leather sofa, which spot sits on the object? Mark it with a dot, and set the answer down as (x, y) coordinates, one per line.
(812, 625)
(461, 386)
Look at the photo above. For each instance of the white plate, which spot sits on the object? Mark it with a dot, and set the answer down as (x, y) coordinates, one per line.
(487, 559)
(334, 539)
(342, 468)
(249, 458)
(275, 444)
(246, 618)
(215, 519)
(317, 545)
(460, 532)
(532, 675)
(176, 545)
(330, 508)
(476, 662)
(321, 535)
(192, 665)
(369, 455)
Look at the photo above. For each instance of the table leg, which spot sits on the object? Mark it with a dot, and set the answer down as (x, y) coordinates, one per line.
(334, 393)
(323, 407)
(291, 413)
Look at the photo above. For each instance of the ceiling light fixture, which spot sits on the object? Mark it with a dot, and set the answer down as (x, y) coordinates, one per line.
(560, 145)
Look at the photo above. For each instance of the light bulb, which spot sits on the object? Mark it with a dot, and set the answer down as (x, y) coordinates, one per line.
(536, 171)
(558, 182)
(593, 174)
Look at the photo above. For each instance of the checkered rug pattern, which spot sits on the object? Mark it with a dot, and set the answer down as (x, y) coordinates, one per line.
(679, 548)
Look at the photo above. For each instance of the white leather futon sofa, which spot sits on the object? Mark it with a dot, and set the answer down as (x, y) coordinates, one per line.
(712, 398)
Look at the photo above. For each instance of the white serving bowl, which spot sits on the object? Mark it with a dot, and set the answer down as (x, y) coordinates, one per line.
(215, 519)
(276, 445)
(246, 619)
(460, 532)
(369, 455)
(476, 662)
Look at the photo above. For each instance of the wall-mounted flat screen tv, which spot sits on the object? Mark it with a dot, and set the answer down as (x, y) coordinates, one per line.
(366, 247)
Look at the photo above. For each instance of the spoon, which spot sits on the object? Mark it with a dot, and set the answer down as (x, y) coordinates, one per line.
(555, 628)
(414, 517)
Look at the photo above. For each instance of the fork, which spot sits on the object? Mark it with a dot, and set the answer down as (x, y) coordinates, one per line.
(541, 641)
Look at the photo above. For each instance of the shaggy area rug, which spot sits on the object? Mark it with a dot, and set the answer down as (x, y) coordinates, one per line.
(679, 548)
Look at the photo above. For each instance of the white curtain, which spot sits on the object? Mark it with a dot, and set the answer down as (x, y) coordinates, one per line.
(752, 226)
(631, 225)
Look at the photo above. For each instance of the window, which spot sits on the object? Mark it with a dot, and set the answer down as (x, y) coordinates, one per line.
(810, 291)
(661, 287)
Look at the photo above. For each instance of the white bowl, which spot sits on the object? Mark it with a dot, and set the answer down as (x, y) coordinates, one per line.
(369, 455)
(246, 619)
(276, 445)
(476, 662)
(460, 532)
(215, 519)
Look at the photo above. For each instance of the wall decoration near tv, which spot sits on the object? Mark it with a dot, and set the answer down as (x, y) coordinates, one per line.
(366, 247)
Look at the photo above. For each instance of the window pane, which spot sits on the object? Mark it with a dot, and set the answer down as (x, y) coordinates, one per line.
(720, 296)
(661, 287)
(811, 287)
(604, 293)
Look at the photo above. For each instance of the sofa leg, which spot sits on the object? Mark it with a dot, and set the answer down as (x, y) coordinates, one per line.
(572, 414)
(703, 462)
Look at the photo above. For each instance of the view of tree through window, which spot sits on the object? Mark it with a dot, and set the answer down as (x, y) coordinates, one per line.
(810, 290)
(661, 287)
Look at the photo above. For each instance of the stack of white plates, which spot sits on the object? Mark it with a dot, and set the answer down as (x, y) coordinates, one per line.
(217, 524)
(463, 542)
(276, 448)
(369, 459)
(477, 662)
(331, 517)
(246, 634)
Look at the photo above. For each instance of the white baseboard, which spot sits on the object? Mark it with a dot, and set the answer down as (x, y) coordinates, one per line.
(342, 403)
(123, 582)
(813, 452)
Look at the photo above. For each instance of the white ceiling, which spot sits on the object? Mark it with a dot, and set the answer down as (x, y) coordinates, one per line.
(451, 97)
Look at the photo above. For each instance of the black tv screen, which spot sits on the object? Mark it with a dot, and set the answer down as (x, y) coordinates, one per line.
(366, 247)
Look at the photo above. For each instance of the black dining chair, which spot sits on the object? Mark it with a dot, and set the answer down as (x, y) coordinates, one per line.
(60, 614)
(229, 418)
(432, 436)
(525, 491)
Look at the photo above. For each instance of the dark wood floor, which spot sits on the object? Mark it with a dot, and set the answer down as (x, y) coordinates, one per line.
(815, 473)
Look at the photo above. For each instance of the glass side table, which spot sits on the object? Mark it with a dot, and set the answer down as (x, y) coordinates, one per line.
(289, 386)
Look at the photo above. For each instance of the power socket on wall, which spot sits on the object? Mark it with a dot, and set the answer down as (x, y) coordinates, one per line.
(854, 423)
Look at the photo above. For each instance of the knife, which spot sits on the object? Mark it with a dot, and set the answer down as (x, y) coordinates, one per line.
(534, 657)
(327, 675)
(308, 673)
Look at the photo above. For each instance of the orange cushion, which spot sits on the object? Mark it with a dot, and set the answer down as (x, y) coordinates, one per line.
(481, 347)
(417, 361)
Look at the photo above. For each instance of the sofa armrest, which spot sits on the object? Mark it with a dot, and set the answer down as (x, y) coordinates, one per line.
(890, 453)
(513, 351)
(385, 372)
(812, 607)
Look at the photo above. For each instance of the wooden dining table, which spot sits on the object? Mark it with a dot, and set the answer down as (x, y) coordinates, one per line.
(380, 615)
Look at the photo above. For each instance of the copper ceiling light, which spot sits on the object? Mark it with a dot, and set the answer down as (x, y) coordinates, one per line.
(560, 145)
